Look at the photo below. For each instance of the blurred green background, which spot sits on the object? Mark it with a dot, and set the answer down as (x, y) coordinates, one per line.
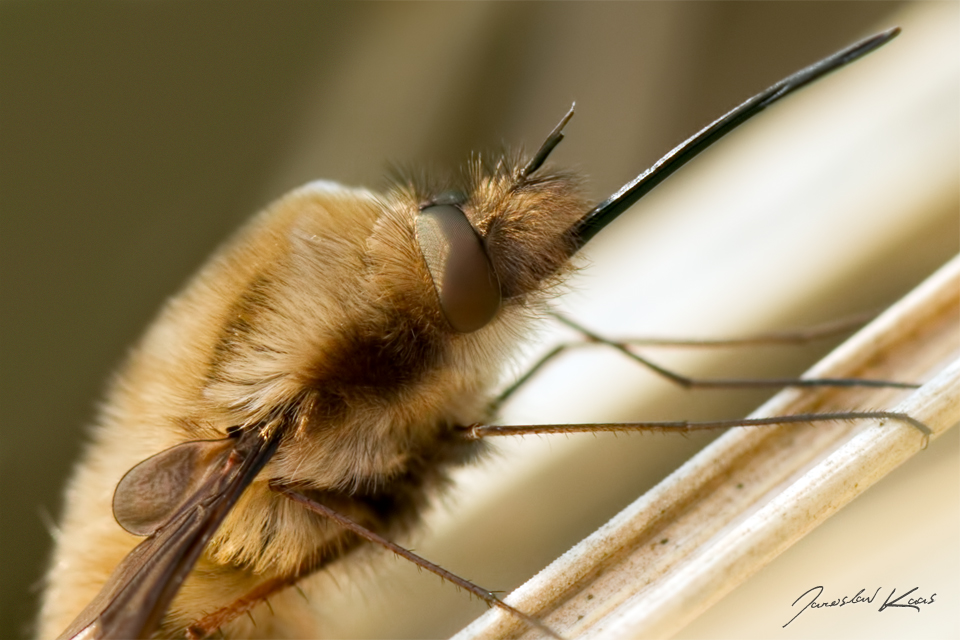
(135, 136)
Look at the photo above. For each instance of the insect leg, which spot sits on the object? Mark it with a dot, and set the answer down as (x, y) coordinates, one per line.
(730, 383)
(345, 522)
(782, 338)
(210, 623)
(796, 337)
(478, 431)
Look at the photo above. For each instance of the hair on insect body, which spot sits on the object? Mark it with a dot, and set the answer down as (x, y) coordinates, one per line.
(336, 360)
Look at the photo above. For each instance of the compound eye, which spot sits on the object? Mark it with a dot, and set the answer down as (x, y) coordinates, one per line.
(466, 284)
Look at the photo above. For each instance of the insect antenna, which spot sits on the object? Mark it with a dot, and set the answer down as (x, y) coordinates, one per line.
(548, 145)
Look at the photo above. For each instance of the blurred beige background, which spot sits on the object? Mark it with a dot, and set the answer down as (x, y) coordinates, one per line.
(134, 137)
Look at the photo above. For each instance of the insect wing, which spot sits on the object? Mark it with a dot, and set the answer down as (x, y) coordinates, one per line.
(135, 598)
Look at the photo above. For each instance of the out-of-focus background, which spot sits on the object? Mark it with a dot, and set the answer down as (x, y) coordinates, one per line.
(134, 137)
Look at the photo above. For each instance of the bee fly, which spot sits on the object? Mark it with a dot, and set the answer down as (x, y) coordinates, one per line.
(314, 385)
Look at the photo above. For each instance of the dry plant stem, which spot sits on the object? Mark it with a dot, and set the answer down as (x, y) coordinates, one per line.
(753, 493)
(363, 532)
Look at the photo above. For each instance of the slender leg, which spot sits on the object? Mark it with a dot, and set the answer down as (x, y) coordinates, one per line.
(212, 622)
(801, 336)
(478, 431)
(345, 522)
(782, 338)
(732, 383)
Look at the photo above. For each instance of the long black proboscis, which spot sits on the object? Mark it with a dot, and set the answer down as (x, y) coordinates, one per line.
(608, 210)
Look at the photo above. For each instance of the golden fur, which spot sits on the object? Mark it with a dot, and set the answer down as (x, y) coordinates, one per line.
(320, 310)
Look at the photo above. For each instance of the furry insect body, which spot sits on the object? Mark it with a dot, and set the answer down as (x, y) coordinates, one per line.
(331, 344)
(322, 312)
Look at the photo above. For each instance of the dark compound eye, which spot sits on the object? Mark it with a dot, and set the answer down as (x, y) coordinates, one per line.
(465, 281)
